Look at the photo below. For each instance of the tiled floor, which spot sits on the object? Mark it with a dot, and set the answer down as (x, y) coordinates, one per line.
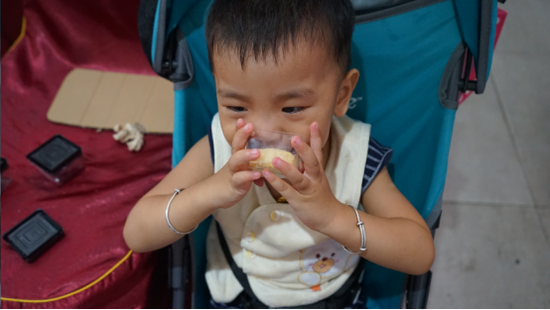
(493, 246)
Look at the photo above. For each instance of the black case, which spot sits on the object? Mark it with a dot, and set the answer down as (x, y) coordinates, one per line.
(55, 154)
(34, 235)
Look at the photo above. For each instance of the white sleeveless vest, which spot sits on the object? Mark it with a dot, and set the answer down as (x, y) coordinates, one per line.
(287, 263)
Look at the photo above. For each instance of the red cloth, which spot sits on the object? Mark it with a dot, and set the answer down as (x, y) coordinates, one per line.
(91, 208)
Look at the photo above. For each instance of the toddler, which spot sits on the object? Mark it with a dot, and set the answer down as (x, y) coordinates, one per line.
(295, 240)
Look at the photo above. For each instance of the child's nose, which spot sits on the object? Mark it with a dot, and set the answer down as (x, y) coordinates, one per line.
(265, 121)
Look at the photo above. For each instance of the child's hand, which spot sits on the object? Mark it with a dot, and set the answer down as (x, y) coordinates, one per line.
(309, 193)
(235, 177)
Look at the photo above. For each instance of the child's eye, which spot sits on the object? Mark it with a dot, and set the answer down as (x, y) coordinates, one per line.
(236, 109)
(292, 110)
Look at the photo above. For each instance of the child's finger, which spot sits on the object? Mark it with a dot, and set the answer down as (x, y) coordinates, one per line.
(309, 158)
(242, 179)
(241, 136)
(296, 178)
(240, 124)
(279, 185)
(316, 141)
(239, 160)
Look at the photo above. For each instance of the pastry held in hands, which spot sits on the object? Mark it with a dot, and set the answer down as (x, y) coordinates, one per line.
(272, 144)
(265, 161)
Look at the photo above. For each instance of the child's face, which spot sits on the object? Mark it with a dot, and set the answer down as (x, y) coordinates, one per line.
(304, 86)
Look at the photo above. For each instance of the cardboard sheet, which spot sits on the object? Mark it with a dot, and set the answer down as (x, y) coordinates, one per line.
(97, 99)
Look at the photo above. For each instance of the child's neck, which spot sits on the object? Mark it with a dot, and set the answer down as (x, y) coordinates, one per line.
(326, 152)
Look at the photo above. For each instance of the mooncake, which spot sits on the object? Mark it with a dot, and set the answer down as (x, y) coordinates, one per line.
(266, 158)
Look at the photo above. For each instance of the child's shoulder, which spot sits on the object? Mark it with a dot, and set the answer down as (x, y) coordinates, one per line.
(197, 163)
(378, 158)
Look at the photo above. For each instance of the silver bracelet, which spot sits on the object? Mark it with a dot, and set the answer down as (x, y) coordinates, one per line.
(361, 225)
(176, 191)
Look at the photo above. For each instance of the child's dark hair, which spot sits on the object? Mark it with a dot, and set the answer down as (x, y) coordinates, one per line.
(258, 28)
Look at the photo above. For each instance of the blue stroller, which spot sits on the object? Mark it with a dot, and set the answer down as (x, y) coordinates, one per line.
(415, 58)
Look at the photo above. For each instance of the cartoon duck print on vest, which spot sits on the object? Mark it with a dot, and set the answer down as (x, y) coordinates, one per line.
(323, 262)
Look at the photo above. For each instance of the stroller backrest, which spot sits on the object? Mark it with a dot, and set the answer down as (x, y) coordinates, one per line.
(476, 20)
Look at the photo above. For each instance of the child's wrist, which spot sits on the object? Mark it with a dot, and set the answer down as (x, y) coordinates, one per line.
(338, 212)
(223, 196)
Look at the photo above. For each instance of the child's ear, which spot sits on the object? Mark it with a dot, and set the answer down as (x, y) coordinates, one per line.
(344, 93)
